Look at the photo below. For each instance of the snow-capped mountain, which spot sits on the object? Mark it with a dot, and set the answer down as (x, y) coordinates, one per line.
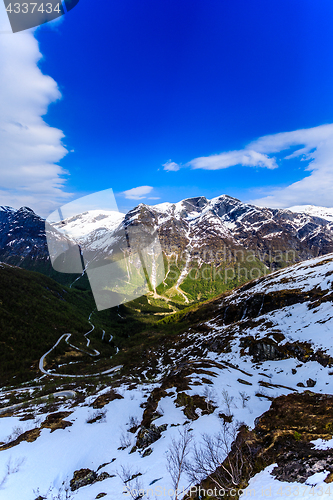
(22, 234)
(198, 220)
(237, 241)
(197, 224)
(322, 212)
(267, 341)
(91, 226)
(195, 232)
(22, 240)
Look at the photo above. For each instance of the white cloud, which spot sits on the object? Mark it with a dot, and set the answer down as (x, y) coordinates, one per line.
(171, 166)
(30, 148)
(315, 145)
(244, 157)
(138, 193)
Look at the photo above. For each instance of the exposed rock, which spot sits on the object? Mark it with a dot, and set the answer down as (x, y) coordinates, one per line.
(297, 469)
(310, 382)
(106, 398)
(103, 475)
(105, 464)
(192, 403)
(263, 352)
(329, 478)
(207, 380)
(146, 437)
(245, 382)
(226, 418)
(98, 415)
(81, 478)
(147, 452)
(28, 436)
(56, 421)
(287, 429)
(283, 435)
(27, 416)
(151, 405)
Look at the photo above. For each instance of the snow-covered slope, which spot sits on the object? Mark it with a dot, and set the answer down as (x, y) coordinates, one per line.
(80, 226)
(93, 230)
(268, 338)
(296, 302)
(322, 212)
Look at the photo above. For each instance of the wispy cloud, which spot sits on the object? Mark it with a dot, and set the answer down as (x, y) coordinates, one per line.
(314, 145)
(139, 193)
(30, 148)
(245, 157)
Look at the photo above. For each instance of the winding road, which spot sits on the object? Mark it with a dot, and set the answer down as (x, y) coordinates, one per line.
(59, 394)
(66, 336)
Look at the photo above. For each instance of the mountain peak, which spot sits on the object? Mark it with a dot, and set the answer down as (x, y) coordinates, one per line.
(225, 197)
(26, 209)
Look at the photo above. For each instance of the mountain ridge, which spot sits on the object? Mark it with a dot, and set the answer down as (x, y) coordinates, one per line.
(221, 242)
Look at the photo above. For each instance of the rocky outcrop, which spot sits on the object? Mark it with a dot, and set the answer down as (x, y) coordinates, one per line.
(284, 434)
(28, 436)
(56, 421)
(148, 436)
(83, 477)
(194, 406)
(105, 398)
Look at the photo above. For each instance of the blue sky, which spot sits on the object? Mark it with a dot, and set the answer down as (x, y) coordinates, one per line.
(139, 91)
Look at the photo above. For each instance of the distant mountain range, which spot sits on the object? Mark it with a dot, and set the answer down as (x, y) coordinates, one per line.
(209, 246)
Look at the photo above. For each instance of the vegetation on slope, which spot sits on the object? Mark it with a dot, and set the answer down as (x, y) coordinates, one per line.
(34, 312)
(282, 435)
